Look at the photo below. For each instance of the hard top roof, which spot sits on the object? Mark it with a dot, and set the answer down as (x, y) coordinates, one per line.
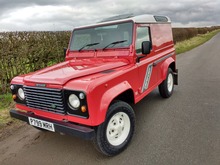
(144, 18)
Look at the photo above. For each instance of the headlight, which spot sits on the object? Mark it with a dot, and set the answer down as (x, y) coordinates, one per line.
(21, 94)
(74, 101)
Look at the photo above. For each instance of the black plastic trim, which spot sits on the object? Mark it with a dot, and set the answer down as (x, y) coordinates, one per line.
(83, 102)
(162, 59)
(15, 92)
(61, 127)
(175, 74)
(44, 99)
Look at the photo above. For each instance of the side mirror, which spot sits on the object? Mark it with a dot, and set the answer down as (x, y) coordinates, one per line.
(64, 52)
(146, 47)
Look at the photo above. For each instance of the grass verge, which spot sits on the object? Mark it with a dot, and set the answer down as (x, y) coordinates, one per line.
(5, 101)
(7, 125)
(187, 45)
(5, 104)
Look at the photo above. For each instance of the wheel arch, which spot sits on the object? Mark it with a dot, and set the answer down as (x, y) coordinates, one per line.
(126, 96)
(175, 72)
(173, 66)
(168, 63)
(122, 91)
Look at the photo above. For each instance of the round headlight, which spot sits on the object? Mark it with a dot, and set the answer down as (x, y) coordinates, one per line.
(21, 93)
(74, 101)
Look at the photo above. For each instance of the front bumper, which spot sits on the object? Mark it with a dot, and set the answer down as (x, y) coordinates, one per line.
(61, 127)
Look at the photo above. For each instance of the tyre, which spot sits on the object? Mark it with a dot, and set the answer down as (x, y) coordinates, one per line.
(114, 135)
(167, 86)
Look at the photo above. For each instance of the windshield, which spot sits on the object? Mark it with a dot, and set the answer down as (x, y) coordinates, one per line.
(102, 37)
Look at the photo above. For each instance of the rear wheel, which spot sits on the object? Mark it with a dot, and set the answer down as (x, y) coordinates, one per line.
(114, 135)
(167, 86)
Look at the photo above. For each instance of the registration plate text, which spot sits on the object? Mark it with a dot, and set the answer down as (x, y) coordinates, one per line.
(41, 124)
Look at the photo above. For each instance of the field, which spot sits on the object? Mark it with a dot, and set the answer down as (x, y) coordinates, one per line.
(23, 52)
(191, 43)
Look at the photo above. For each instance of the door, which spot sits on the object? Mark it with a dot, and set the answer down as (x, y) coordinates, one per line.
(147, 72)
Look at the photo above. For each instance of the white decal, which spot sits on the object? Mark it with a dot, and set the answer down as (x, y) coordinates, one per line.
(147, 77)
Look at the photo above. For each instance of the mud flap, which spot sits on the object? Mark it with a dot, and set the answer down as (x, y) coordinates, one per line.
(175, 75)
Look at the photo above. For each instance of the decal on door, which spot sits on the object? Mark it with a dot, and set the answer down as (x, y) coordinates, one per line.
(147, 77)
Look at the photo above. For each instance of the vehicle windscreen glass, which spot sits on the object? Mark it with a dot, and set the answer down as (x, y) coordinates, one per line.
(102, 37)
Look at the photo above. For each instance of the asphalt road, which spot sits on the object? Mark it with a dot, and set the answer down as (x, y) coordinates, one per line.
(181, 130)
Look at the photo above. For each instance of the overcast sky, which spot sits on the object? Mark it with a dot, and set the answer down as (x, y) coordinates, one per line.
(52, 15)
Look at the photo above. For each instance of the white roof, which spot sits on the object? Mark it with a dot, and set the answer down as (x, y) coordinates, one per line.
(145, 18)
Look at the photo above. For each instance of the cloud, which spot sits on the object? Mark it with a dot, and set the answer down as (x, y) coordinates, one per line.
(31, 15)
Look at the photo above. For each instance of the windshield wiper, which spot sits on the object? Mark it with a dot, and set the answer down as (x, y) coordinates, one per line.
(88, 45)
(114, 43)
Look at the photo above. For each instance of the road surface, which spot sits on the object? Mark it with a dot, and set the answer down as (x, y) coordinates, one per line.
(181, 130)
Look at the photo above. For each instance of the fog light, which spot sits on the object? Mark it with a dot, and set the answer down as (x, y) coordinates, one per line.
(83, 108)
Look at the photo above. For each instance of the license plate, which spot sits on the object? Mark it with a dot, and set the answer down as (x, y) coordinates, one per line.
(41, 124)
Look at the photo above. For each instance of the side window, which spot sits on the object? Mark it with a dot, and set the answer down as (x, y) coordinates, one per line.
(142, 35)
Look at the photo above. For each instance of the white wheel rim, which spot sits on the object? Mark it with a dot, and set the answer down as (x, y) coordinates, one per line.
(118, 128)
(170, 82)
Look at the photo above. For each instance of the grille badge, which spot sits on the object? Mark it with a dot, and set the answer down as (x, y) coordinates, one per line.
(53, 106)
(40, 85)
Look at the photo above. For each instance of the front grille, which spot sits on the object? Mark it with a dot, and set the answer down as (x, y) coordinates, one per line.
(44, 99)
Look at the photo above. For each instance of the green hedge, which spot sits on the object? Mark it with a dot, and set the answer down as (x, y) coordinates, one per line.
(23, 52)
(181, 34)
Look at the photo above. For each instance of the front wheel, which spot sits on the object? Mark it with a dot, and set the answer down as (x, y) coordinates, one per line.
(167, 86)
(114, 135)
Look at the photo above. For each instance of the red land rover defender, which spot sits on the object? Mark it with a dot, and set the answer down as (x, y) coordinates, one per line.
(108, 66)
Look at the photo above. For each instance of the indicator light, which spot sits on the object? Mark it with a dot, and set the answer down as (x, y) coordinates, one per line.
(14, 97)
(83, 108)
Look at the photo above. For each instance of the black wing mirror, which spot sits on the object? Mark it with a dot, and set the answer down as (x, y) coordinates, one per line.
(146, 47)
(64, 52)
